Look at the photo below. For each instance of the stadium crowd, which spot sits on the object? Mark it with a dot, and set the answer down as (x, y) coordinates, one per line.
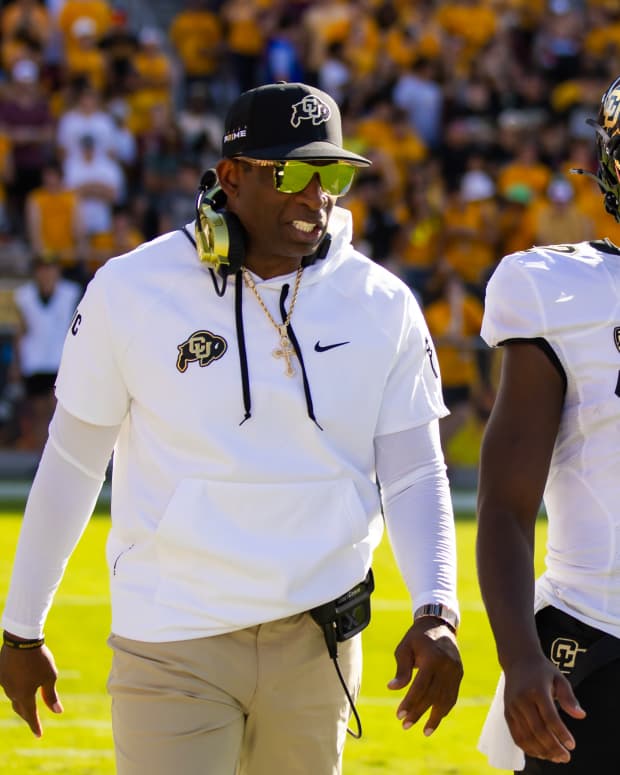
(472, 111)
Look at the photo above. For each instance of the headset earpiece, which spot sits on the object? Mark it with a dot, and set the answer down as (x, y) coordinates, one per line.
(220, 237)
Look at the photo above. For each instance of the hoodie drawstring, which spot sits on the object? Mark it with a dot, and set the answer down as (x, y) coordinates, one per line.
(295, 343)
(243, 356)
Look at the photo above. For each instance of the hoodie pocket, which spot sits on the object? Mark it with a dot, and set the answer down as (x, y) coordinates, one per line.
(231, 548)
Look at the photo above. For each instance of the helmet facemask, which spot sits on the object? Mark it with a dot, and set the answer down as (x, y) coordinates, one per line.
(607, 127)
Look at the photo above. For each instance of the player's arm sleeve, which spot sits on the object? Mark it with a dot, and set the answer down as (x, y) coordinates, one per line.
(63, 495)
(418, 512)
(412, 394)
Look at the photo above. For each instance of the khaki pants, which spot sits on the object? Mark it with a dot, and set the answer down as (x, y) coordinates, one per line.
(261, 701)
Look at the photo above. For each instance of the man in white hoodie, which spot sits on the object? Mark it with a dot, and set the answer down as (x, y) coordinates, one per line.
(258, 379)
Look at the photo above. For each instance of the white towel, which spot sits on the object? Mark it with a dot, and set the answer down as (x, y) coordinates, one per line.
(495, 740)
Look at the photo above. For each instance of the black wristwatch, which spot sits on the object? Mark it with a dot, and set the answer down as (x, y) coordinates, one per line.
(438, 611)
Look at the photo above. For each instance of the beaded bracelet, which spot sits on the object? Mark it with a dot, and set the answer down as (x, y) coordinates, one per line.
(12, 643)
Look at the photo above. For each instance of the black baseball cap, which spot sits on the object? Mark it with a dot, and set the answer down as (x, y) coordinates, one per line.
(281, 121)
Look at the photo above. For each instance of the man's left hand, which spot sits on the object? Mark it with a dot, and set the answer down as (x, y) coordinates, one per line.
(430, 647)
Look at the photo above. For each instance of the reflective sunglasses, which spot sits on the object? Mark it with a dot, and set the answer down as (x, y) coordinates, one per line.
(291, 177)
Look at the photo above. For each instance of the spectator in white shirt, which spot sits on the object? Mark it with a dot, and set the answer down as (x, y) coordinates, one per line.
(86, 118)
(45, 306)
(99, 181)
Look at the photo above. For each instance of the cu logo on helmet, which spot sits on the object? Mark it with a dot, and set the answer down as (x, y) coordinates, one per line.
(310, 108)
(612, 109)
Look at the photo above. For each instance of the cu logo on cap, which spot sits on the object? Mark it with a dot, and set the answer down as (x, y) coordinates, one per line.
(310, 108)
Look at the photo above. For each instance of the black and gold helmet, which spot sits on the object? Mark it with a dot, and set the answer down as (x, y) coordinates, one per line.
(607, 129)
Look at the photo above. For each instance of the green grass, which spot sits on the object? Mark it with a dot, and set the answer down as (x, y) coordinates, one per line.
(79, 742)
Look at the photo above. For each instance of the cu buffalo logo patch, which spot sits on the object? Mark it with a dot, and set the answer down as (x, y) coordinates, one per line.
(202, 346)
(310, 108)
(617, 337)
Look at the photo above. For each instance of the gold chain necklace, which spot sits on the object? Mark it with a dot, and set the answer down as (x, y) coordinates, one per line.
(286, 349)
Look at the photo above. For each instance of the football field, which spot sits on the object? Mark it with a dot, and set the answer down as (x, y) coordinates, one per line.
(79, 742)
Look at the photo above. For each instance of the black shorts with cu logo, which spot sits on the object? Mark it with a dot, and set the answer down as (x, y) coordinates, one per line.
(569, 644)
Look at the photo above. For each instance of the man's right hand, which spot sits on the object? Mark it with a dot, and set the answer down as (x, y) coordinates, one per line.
(22, 672)
(533, 687)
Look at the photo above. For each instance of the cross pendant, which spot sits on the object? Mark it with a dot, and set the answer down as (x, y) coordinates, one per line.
(285, 351)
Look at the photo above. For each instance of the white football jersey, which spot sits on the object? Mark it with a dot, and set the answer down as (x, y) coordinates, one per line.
(569, 295)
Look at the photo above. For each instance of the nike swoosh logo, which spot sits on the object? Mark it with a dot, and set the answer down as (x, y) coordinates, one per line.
(321, 348)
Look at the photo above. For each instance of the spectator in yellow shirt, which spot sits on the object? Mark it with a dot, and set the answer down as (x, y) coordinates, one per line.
(53, 222)
(21, 22)
(98, 11)
(468, 26)
(84, 58)
(454, 318)
(516, 224)
(245, 33)
(470, 232)
(559, 219)
(387, 127)
(419, 243)
(525, 168)
(154, 67)
(196, 35)
(325, 22)
(123, 236)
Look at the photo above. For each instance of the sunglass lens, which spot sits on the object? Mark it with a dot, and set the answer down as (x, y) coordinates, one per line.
(294, 176)
(337, 178)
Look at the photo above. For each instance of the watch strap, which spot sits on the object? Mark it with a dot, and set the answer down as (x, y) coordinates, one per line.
(438, 611)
